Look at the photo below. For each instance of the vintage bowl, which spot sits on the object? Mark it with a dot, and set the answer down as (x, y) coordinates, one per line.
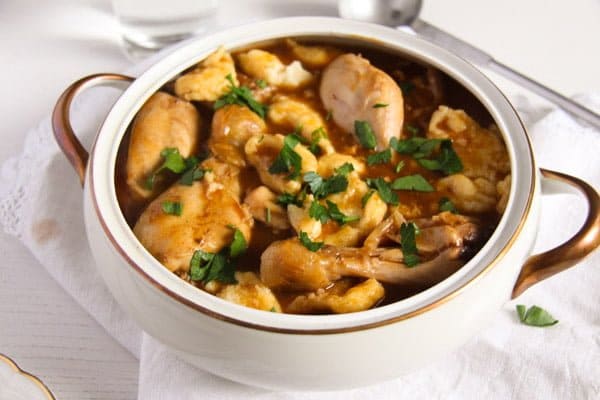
(317, 352)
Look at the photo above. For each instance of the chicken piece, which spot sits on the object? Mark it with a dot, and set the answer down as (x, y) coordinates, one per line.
(351, 86)
(232, 126)
(209, 211)
(164, 121)
(313, 56)
(342, 297)
(469, 195)
(288, 265)
(262, 199)
(249, 291)
(261, 152)
(207, 82)
(294, 114)
(261, 64)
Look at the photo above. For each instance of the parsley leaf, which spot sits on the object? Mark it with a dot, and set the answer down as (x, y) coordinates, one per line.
(288, 160)
(338, 216)
(447, 161)
(238, 245)
(173, 161)
(399, 166)
(206, 267)
(267, 215)
(344, 169)
(242, 96)
(309, 244)
(384, 189)
(380, 105)
(412, 182)
(288, 198)
(418, 147)
(535, 316)
(365, 134)
(315, 138)
(380, 157)
(409, 243)
(324, 187)
(366, 197)
(318, 212)
(193, 171)
(414, 130)
(446, 205)
(172, 207)
(261, 83)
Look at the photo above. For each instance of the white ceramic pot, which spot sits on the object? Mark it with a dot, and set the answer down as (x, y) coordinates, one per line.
(316, 352)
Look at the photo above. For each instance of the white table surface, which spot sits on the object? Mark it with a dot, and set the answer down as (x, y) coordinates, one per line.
(45, 45)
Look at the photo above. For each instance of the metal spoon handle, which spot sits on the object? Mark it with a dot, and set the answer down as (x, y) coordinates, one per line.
(477, 56)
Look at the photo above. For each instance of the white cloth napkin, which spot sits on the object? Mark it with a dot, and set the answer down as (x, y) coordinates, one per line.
(41, 204)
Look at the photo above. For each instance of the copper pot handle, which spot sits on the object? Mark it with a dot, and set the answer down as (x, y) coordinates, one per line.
(541, 266)
(61, 119)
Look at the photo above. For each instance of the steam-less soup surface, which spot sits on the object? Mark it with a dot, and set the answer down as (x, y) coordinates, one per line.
(311, 178)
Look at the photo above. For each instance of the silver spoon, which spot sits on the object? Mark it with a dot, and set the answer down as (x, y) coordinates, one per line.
(405, 13)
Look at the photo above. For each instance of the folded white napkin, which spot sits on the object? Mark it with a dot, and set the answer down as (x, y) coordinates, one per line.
(41, 204)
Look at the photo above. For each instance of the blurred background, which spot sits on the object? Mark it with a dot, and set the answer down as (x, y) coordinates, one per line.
(45, 45)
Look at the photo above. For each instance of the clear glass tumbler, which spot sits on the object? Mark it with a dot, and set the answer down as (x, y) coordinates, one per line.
(149, 25)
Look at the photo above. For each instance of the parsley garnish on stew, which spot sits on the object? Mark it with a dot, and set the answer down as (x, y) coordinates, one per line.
(193, 171)
(408, 233)
(288, 198)
(172, 207)
(309, 244)
(446, 205)
(535, 316)
(380, 105)
(206, 267)
(381, 157)
(414, 182)
(365, 134)
(315, 138)
(288, 160)
(173, 161)
(323, 213)
(242, 96)
(321, 188)
(446, 160)
(384, 189)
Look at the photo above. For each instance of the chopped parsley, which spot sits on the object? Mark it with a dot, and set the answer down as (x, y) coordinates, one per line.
(288, 160)
(206, 267)
(288, 198)
(384, 190)
(445, 161)
(408, 232)
(242, 96)
(535, 316)
(315, 138)
(365, 134)
(365, 199)
(309, 244)
(414, 182)
(267, 215)
(193, 171)
(446, 205)
(332, 212)
(380, 105)
(172, 207)
(344, 169)
(321, 188)
(381, 157)
(414, 130)
(173, 161)
(399, 166)
(261, 83)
